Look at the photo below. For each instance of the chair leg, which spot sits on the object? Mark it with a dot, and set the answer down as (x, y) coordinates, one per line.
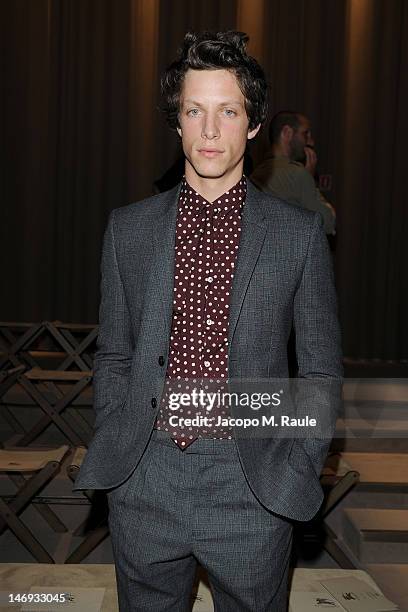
(89, 544)
(51, 518)
(52, 413)
(341, 488)
(30, 489)
(45, 511)
(24, 534)
(334, 550)
(8, 416)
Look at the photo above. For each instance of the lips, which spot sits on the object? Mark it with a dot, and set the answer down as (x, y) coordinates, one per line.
(210, 152)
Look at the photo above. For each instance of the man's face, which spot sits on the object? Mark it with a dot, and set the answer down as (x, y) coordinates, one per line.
(302, 137)
(213, 125)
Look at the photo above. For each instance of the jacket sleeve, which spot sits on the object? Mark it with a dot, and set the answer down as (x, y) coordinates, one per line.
(115, 343)
(318, 346)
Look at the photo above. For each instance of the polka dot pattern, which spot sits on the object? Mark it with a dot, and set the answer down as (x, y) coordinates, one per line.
(206, 248)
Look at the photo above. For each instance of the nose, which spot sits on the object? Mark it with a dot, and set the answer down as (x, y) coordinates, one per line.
(210, 129)
(310, 141)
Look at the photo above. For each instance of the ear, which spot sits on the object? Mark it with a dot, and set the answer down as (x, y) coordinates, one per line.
(253, 133)
(287, 133)
(179, 131)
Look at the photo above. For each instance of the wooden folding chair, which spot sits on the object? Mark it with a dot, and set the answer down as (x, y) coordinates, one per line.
(8, 379)
(79, 343)
(64, 388)
(100, 529)
(337, 479)
(48, 344)
(40, 466)
(15, 342)
(71, 343)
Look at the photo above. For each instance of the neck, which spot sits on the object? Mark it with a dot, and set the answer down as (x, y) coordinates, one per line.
(212, 188)
(280, 150)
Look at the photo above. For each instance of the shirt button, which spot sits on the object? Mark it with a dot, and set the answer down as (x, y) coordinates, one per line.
(161, 360)
(210, 322)
(209, 279)
(154, 402)
(207, 364)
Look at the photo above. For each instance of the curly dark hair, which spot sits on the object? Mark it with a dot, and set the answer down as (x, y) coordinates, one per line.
(216, 51)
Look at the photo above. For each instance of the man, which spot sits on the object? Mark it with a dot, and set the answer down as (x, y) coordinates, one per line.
(288, 170)
(204, 281)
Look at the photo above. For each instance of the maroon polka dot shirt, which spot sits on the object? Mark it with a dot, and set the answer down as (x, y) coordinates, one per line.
(206, 247)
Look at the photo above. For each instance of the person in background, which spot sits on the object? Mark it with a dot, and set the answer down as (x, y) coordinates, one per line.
(289, 168)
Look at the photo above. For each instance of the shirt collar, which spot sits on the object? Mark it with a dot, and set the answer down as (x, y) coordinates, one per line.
(233, 198)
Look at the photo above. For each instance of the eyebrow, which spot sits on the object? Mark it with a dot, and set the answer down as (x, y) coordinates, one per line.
(224, 103)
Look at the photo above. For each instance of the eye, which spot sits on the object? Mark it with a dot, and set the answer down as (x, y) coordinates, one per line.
(229, 112)
(193, 112)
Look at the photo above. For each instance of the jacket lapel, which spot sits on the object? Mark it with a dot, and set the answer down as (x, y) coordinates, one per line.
(253, 232)
(160, 292)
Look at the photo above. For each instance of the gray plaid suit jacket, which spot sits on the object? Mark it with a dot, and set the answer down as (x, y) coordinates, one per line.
(283, 277)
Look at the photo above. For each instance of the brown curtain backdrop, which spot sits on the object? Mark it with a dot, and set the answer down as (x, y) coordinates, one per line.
(81, 134)
(372, 167)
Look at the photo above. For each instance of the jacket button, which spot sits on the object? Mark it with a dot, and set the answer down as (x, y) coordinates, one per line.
(154, 402)
(161, 360)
